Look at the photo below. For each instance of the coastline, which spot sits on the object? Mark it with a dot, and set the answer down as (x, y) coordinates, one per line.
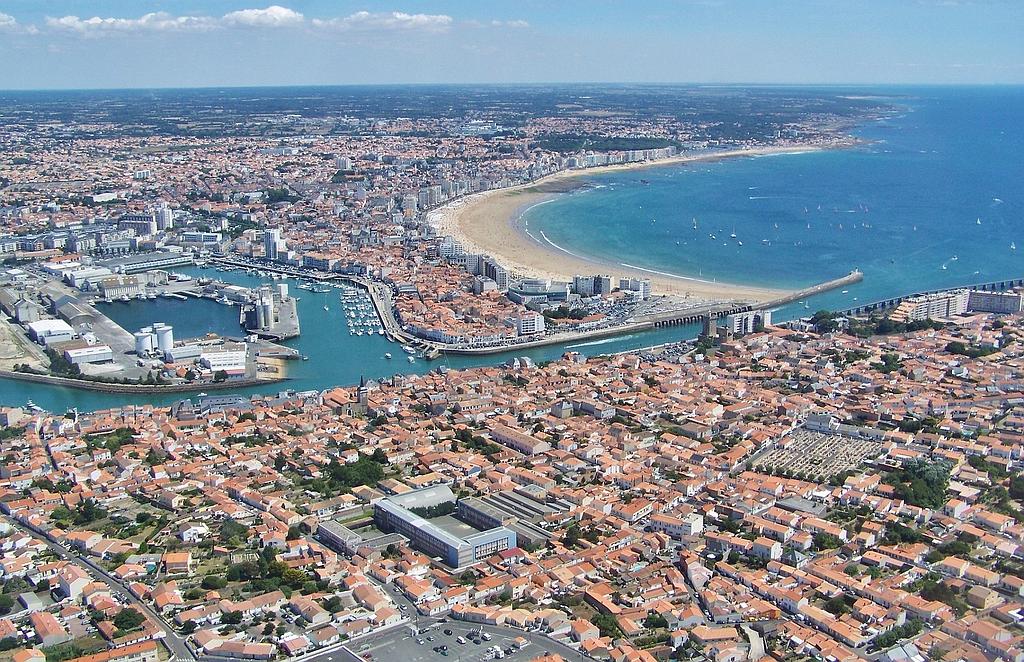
(492, 222)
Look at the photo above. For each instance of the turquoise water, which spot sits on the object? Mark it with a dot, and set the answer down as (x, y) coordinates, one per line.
(335, 356)
(900, 208)
(907, 203)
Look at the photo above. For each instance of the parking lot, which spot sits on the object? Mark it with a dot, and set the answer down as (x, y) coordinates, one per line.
(402, 645)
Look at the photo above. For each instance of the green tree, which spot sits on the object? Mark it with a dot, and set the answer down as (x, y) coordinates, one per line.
(128, 619)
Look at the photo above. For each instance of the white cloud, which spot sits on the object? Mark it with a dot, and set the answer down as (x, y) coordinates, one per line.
(273, 16)
(396, 20)
(9, 24)
(152, 22)
(510, 24)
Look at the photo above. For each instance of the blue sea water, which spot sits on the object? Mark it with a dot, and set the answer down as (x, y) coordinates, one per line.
(899, 207)
(937, 185)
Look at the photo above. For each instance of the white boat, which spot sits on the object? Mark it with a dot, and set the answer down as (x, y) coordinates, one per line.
(412, 359)
(380, 332)
(1013, 246)
(409, 349)
(326, 308)
(387, 355)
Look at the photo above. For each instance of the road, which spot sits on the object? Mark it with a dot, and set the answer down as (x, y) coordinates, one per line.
(174, 642)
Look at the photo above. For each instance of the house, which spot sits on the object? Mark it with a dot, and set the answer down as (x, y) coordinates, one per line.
(176, 563)
(192, 532)
(48, 628)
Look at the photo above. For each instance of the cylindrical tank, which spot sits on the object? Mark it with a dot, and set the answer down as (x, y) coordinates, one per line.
(143, 342)
(282, 290)
(164, 337)
(267, 311)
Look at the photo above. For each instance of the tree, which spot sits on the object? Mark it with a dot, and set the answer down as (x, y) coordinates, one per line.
(1017, 487)
(826, 541)
(655, 621)
(608, 626)
(213, 582)
(189, 626)
(232, 617)
(128, 619)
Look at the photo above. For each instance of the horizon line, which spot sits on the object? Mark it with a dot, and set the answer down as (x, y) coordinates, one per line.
(515, 84)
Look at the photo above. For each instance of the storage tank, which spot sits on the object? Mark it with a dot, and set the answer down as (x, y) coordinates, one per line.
(282, 290)
(144, 342)
(164, 337)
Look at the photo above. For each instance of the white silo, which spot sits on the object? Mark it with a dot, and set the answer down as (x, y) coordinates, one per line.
(164, 337)
(282, 290)
(144, 342)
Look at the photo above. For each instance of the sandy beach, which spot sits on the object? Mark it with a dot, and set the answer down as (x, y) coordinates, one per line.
(490, 222)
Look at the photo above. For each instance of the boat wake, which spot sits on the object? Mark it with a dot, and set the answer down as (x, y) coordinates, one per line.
(600, 342)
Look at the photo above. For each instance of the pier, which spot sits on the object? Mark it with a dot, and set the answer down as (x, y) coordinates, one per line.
(696, 317)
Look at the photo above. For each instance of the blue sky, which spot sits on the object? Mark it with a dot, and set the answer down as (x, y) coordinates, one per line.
(166, 43)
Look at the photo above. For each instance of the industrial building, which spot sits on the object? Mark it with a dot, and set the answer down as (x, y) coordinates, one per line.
(48, 332)
(156, 339)
(396, 514)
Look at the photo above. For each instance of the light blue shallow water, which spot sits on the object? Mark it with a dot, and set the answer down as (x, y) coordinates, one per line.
(899, 208)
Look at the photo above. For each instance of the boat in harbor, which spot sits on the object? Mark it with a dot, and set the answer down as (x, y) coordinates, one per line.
(387, 355)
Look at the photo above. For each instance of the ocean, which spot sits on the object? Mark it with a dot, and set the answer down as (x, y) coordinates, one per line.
(936, 185)
(931, 199)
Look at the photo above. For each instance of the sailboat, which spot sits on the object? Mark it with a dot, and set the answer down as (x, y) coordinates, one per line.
(1013, 246)
(978, 221)
(694, 222)
(732, 235)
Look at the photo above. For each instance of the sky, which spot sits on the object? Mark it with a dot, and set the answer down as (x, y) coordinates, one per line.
(51, 44)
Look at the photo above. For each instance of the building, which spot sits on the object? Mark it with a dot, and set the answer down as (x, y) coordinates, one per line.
(271, 243)
(143, 224)
(116, 287)
(89, 354)
(232, 362)
(640, 286)
(931, 306)
(396, 513)
(201, 238)
(995, 302)
(748, 322)
(144, 651)
(47, 332)
(530, 323)
(164, 217)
